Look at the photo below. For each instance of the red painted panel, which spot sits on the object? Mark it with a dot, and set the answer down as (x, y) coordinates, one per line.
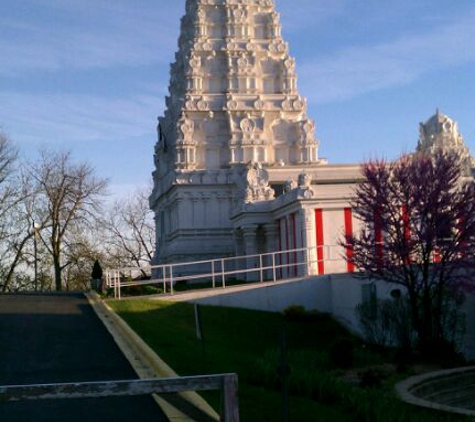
(348, 234)
(320, 240)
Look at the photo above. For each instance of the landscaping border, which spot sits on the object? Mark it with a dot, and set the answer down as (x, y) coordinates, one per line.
(405, 389)
(146, 363)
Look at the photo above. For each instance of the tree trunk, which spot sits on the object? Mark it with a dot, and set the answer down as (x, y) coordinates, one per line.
(426, 336)
(57, 272)
(13, 265)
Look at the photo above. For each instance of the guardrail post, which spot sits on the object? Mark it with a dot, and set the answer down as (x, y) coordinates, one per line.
(307, 262)
(261, 265)
(118, 285)
(223, 275)
(274, 270)
(213, 275)
(164, 275)
(230, 403)
(171, 281)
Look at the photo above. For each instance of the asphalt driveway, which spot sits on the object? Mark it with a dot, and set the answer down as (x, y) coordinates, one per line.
(58, 339)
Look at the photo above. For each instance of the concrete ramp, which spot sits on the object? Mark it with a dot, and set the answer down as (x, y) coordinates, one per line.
(57, 338)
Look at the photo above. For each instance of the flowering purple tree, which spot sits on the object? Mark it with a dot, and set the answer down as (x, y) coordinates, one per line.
(418, 216)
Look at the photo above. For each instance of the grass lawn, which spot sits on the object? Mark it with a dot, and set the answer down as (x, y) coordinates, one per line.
(248, 343)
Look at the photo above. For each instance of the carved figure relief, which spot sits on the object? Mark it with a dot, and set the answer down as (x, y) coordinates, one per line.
(305, 186)
(190, 105)
(202, 105)
(305, 180)
(239, 15)
(259, 104)
(298, 105)
(257, 188)
(195, 62)
(250, 46)
(290, 64)
(248, 125)
(274, 18)
(232, 104)
(277, 47)
(187, 128)
(289, 185)
(308, 128)
(201, 15)
(287, 105)
(232, 46)
(243, 61)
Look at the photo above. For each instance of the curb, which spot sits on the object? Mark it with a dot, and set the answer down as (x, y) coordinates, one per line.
(404, 390)
(146, 363)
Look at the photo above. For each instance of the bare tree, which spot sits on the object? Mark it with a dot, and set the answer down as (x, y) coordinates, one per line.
(130, 231)
(69, 196)
(83, 248)
(8, 157)
(418, 217)
(8, 189)
(14, 228)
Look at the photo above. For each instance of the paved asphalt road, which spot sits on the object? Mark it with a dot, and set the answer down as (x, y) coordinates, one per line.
(56, 339)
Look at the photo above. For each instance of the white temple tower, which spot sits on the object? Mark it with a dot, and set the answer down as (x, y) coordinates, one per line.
(440, 132)
(233, 107)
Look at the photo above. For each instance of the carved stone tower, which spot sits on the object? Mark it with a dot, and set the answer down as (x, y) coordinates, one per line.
(233, 104)
(440, 132)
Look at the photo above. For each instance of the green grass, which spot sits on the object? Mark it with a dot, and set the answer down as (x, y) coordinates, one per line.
(248, 343)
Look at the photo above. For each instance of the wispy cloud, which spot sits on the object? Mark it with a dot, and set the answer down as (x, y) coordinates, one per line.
(102, 34)
(125, 191)
(299, 15)
(76, 118)
(358, 70)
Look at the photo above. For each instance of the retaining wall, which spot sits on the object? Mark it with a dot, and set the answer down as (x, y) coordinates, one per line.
(337, 295)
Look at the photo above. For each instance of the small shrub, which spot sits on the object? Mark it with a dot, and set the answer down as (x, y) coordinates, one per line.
(371, 378)
(295, 313)
(390, 324)
(180, 285)
(141, 290)
(109, 292)
(342, 353)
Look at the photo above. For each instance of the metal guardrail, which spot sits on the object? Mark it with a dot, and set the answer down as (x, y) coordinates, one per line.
(263, 267)
(227, 383)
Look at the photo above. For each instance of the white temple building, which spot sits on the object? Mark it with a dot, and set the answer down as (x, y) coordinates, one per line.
(237, 166)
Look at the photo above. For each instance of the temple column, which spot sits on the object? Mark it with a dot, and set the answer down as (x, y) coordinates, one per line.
(250, 245)
(272, 237)
(307, 224)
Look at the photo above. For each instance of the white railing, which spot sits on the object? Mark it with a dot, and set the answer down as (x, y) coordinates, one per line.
(272, 266)
(226, 383)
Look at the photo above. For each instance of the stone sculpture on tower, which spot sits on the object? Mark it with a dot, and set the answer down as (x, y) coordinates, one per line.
(233, 111)
(440, 132)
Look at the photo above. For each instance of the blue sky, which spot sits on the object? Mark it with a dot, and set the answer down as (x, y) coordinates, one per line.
(91, 75)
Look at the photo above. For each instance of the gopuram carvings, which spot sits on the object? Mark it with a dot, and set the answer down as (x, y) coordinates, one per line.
(233, 111)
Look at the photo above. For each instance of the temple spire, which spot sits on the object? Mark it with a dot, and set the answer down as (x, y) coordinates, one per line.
(233, 91)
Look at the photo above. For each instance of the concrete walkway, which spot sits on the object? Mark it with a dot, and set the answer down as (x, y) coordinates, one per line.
(58, 338)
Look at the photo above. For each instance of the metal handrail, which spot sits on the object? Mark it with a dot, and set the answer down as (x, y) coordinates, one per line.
(292, 259)
(226, 383)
